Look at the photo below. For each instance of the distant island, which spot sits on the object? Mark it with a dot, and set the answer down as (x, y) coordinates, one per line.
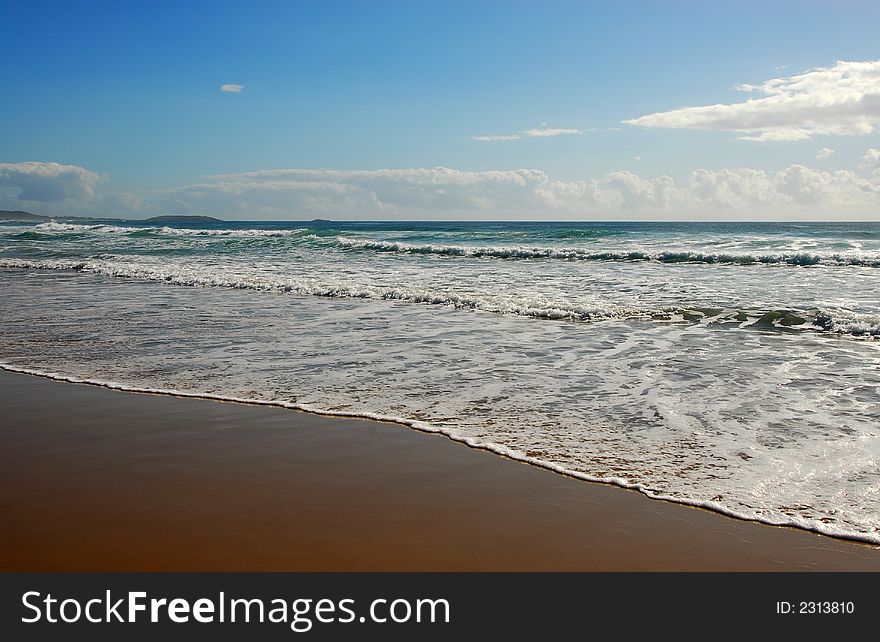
(19, 215)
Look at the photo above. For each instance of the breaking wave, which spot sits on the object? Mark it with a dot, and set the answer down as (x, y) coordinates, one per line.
(163, 231)
(585, 254)
(782, 319)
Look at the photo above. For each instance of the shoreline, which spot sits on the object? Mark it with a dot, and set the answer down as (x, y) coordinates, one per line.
(436, 507)
(427, 428)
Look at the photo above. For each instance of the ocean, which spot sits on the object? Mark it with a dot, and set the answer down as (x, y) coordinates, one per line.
(733, 366)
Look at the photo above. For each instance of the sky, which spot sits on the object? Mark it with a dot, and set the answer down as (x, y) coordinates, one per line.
(442, 110)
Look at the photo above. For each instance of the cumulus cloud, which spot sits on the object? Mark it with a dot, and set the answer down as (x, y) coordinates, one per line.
(526, 193)
(843, 99)
(441, 192)
(232, 88)
(357, 192)
(795, 189)
(48, 181)
(825, 154)
(540, 132)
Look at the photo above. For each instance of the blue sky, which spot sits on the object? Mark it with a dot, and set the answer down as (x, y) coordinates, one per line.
(129, 93)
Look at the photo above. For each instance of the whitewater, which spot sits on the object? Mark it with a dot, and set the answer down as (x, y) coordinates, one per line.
(731, 366)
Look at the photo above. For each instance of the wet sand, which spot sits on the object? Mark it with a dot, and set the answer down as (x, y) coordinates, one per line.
(93, 479)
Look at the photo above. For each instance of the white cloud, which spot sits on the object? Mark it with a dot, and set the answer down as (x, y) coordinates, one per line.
(843, 100)
(440, 192)
(232, 88)
(496, 138)
(825, 154)
(48, 182)
(526, 193)
(872, 156)
(541, 132)
(372, 192)
(546, 132)
(795, 189)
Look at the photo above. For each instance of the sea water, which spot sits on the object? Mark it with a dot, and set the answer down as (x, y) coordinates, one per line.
(734, 366)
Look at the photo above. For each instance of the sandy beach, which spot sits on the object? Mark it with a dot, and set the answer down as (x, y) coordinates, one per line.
(93, 479)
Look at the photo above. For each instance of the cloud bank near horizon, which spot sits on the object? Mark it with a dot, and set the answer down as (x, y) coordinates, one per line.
(843, 99)
(47, 182)
(441, 192)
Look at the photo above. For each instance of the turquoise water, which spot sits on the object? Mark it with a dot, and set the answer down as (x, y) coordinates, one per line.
(733, 366)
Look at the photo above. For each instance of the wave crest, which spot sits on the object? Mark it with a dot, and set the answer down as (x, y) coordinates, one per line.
(163, 231)
(782, 318)
(584, 254)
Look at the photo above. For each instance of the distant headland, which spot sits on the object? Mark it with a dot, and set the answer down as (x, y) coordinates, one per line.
(19, 215)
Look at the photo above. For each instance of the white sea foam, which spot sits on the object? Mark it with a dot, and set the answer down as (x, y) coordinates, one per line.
(794, 522)
(53, 226)
(540, 308)
(715, 377)
(164, 230)
(795, 255)
(871, 259)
